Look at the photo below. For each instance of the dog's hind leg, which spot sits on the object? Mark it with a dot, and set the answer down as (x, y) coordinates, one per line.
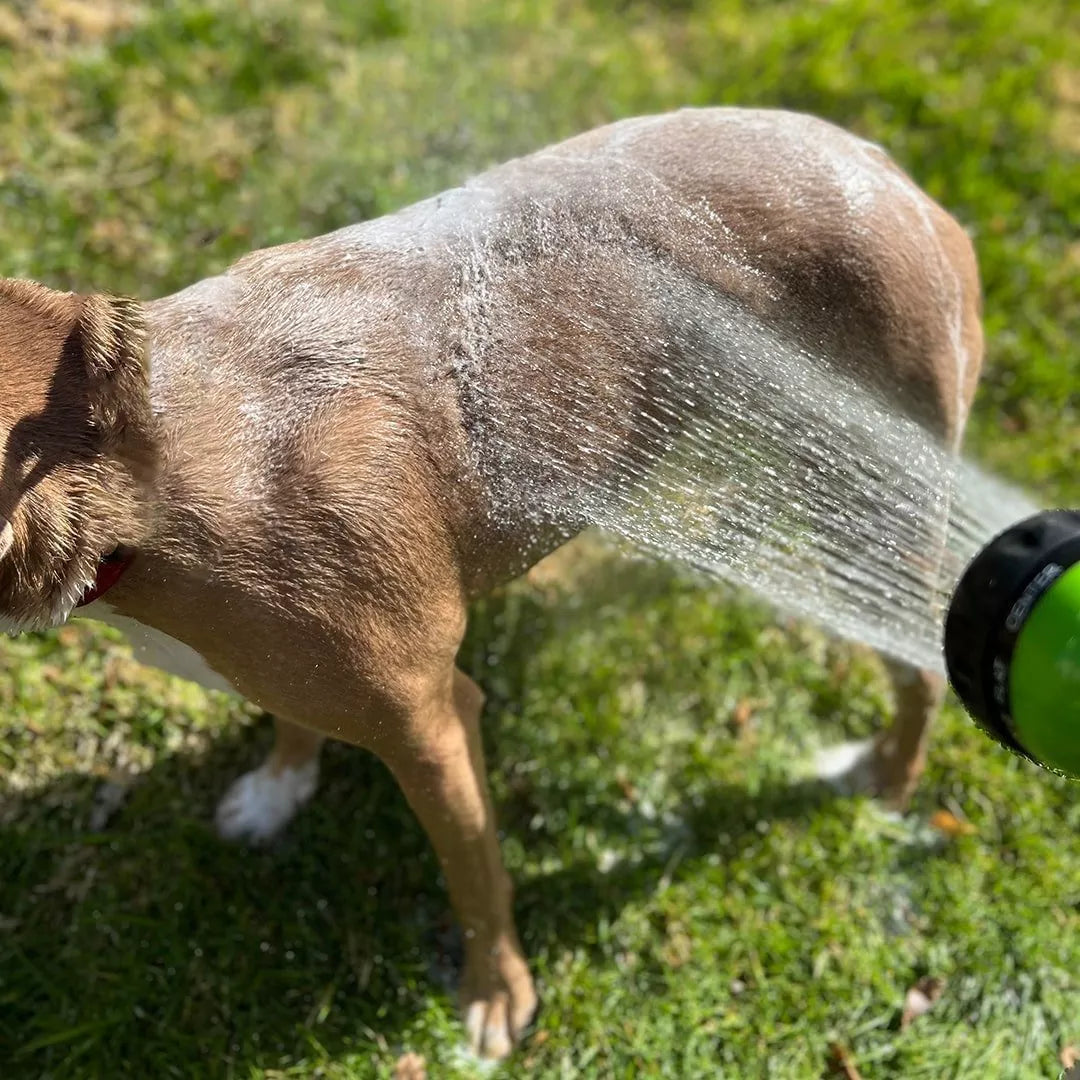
(899, 752)
(890, 765)
(261, 803)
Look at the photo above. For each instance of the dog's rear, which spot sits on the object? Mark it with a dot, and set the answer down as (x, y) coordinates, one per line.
(600, 259)
(602, 253)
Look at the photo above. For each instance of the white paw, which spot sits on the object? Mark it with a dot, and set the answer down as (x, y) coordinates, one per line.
(260, 804)
(848, 767)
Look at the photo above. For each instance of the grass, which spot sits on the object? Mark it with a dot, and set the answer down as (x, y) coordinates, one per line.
(691, 910)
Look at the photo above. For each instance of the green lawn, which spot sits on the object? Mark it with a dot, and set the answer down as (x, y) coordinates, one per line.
(691, 907)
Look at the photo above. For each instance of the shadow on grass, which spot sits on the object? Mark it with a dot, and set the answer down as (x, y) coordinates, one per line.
(154, 947)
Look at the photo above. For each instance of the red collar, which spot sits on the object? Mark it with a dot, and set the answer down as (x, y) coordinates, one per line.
(110, 570)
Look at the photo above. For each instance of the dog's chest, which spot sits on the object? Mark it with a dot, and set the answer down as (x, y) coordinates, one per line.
(155, 649)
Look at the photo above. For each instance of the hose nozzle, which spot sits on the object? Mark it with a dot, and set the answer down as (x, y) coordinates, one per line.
(1012, 639)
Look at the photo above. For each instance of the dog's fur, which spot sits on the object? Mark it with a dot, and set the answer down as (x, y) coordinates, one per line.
(299, 453)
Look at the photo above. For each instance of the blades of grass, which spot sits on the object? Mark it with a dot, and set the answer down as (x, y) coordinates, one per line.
(56, 1038)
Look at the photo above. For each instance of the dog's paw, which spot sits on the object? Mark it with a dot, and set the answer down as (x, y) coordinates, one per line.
(849, 767)
(499, 1006)
(260, 804)
(870, 768)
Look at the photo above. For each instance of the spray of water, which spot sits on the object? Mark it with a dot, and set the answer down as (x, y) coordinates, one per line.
(627, 358)
(777, 473)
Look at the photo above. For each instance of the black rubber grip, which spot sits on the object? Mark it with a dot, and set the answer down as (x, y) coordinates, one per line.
(987, 610)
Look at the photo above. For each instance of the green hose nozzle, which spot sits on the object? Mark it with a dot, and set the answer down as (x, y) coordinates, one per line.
(1012, 639)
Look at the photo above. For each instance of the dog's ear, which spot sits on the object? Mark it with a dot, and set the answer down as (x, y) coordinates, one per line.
(109, 340)
(96, 345)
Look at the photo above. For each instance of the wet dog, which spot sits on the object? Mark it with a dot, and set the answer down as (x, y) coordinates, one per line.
(289, 480)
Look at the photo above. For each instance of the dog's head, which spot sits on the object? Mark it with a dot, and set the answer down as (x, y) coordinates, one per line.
(76, 433)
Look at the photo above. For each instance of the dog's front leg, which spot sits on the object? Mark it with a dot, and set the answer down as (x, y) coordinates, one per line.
(438, 761)
(259, 804)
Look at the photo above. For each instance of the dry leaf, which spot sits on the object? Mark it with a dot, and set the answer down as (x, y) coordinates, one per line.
(842, 1063)
(920, 999)
(626, 787)
(1069, 1056)
(743, 713)
(537, 1039)
(740, 715)
(951, 825)
(678, 947)
(410, 1067)
(69, 636)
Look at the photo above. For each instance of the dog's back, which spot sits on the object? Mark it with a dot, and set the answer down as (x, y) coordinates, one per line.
(532, 326)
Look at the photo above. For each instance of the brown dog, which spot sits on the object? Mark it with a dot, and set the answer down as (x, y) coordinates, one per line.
(291, 478)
